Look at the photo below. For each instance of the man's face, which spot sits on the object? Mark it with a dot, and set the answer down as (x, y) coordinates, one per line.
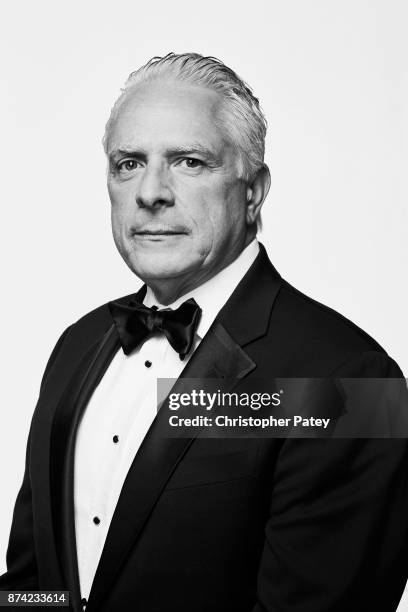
(178, 206)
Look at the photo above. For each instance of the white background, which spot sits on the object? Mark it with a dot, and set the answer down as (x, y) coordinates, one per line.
(332, 79)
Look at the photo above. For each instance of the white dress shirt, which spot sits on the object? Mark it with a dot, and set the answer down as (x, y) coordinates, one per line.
(121, 410)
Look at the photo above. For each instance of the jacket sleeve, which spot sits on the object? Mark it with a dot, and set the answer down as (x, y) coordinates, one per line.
(21, 563)
(336, 538)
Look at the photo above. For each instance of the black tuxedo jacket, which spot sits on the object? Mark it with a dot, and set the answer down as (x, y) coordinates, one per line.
(223, 525)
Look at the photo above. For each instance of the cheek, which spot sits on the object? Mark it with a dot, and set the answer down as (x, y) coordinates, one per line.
(224, 208)
(115, 194)
(212, 210)
(118, 219)
(122, 196)
(208, 219)
(122, 207)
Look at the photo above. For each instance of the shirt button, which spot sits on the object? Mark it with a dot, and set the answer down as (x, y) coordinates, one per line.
(148, 363)
(115, 439)
(96, 520)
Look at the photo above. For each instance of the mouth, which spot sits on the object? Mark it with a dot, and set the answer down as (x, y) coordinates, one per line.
(164, 233)
(158, 232)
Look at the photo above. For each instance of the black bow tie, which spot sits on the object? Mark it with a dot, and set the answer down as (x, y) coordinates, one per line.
(136, 322)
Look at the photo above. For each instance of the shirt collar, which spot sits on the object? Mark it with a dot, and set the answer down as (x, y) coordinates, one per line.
(212, 295)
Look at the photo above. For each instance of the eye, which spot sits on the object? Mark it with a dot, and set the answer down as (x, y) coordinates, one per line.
(127, 165)
(192, 162)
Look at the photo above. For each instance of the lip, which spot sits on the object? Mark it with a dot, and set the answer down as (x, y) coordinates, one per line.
(160, 232)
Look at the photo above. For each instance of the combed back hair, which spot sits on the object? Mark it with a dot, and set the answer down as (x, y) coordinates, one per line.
(241, 115)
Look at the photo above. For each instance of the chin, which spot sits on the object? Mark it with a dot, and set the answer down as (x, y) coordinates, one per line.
(160, 267)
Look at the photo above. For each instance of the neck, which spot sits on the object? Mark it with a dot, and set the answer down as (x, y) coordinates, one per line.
(169, 290)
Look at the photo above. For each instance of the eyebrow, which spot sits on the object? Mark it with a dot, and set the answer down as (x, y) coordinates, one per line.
(188, 149)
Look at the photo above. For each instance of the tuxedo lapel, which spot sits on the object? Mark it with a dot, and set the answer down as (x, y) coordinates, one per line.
(70, 408)
(247, 313)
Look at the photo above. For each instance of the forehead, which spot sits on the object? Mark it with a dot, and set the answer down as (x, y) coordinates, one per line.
(163, 113)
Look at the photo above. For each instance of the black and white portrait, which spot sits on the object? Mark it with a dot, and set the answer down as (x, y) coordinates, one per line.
(203, 193)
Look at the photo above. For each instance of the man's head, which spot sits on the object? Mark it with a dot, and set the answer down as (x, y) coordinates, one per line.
(185, 142)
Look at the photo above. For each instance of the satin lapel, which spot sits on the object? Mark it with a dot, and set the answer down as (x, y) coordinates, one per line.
(45, 458)
(218, 356)
(67, 416)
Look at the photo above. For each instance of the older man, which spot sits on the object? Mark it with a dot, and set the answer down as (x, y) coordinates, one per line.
(128, 519)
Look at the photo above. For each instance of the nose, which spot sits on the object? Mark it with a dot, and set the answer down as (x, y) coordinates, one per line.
(153, 189)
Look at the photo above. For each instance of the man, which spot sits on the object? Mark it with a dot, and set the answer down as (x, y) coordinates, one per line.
(126, 518)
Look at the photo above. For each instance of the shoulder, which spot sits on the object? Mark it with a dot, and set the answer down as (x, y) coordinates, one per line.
(321, 336)
(95, 322)
(76, 339)
(319, 320)
(303, 336)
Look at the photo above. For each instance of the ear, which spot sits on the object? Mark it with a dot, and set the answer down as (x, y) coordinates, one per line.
(257, 190)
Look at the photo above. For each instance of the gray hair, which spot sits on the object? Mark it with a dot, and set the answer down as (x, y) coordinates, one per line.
(243, 117)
